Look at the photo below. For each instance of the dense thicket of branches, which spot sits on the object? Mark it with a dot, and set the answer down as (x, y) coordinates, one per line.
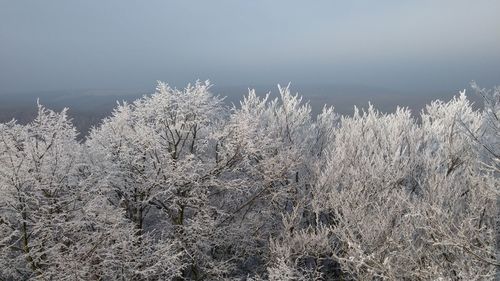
(176, 186)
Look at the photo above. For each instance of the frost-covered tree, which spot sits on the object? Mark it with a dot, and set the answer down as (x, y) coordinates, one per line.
(52, 225)
(279, 143)
(403, 201)
(159, 161)
(487, 139)
(177, 186)
(39, 194)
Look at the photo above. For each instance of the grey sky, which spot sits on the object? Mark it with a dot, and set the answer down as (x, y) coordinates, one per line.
(117, 44)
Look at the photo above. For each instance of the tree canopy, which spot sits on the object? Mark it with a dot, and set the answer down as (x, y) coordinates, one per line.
(178, 186)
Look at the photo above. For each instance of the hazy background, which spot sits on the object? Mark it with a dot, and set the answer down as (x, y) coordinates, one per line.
(88, 54)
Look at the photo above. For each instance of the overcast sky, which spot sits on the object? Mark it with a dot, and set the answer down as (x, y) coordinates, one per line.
(117, 44)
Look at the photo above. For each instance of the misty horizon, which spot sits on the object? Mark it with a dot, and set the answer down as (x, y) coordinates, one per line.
(423, 46)
(86, 56)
